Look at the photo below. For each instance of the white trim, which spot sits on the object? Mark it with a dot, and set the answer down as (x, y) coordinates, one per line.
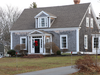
(87, 21)
(25, 37)
(77, 40)
(40, 22)
(83, 18)
(48, 29)
(35, 31)
(11, 40)
(66, 41)
(94, 16)
(41, 13)
(91, 23)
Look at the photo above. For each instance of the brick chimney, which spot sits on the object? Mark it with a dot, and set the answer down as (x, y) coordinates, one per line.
(76, 1)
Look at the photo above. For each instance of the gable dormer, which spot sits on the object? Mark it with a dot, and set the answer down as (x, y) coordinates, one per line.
(44, 19)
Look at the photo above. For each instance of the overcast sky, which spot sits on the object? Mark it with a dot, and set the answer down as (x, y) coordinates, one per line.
(22, 4)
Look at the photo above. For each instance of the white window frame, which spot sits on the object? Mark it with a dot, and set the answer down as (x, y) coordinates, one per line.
(85, 41)
(87, 21)
(91, 23)
(45, 21)
(89, 10)
(61, 41)
(25, 41)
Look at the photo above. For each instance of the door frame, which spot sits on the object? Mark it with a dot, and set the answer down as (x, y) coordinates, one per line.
(41, 47)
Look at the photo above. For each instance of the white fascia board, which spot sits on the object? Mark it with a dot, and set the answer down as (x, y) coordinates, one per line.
(83, 18)
(35, 31)
(41, 13)
(94, 16)
(50, 29)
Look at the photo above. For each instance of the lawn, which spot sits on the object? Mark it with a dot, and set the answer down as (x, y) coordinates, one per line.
(12, 66)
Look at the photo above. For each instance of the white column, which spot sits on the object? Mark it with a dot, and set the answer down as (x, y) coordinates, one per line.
(51, 41)
(77, 40)
(44, 45)
(11, 40)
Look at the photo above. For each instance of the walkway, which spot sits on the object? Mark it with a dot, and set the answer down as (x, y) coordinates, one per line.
(54, 71)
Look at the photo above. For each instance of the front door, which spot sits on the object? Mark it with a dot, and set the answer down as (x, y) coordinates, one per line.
(37, 45)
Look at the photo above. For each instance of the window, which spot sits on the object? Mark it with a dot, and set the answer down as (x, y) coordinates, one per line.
(86, 41)
(91, 22)
(87, 21)
(95, 42)
(63, 41)
(42, 22)
(89, 10)
(23, 40)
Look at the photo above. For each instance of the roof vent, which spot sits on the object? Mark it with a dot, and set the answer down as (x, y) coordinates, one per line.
(76, 1)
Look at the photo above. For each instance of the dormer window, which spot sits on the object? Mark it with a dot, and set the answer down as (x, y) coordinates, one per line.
(42, 22)
(44, 19)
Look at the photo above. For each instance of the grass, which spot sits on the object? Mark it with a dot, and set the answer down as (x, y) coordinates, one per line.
(11, 66)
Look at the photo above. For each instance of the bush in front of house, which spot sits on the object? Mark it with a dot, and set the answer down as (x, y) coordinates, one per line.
(66, 54)
(58, 52)
(53, 46)
(11, 52)
(87, 64)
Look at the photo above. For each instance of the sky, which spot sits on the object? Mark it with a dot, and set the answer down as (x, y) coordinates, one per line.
(22, 4)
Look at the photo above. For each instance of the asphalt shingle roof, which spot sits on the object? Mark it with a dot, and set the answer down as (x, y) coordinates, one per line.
(67, 16)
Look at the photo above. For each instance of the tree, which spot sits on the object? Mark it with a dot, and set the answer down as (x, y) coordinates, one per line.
(7, 17)
(33, 5)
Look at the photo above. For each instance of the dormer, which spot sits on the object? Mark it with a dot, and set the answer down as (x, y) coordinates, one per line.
(44, 19)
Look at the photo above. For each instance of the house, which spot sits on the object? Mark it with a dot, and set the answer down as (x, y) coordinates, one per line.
(70, 27)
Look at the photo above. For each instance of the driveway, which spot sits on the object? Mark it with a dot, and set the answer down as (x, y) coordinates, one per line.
(54, 71)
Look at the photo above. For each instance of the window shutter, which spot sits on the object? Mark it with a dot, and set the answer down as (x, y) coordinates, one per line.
(87, 22)
(85, 41)
(91, 22)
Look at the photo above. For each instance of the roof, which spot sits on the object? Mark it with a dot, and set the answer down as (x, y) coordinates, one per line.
(67, 16)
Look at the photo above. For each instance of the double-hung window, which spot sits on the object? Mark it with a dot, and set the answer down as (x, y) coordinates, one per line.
(85, 41)
(96, 42)
(63, 41)
(87, 21)
(42, 22)
(23, 40)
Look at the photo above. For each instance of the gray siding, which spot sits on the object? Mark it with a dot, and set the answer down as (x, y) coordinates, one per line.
(71, 38)
(16, 38)
(55, 38)
(87, 31)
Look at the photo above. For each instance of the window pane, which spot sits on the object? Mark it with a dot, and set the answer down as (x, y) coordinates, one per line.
(63, 42)
(95, 42)
(23, 41)
(42, 22)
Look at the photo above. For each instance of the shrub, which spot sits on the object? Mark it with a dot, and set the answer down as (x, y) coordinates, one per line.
(66, 54)
(64, 50)
(11, 52)
(21, 48)
(52, 45)
(58, 52)
(87, 64)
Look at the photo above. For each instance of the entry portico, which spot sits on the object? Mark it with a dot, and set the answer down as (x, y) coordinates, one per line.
(37, 40)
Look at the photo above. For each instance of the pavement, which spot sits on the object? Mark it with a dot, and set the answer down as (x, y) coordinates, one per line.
(54, 71)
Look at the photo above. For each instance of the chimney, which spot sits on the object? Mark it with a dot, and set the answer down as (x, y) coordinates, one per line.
(76, 1)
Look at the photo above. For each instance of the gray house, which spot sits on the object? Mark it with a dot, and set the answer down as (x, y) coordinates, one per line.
(70, 27)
